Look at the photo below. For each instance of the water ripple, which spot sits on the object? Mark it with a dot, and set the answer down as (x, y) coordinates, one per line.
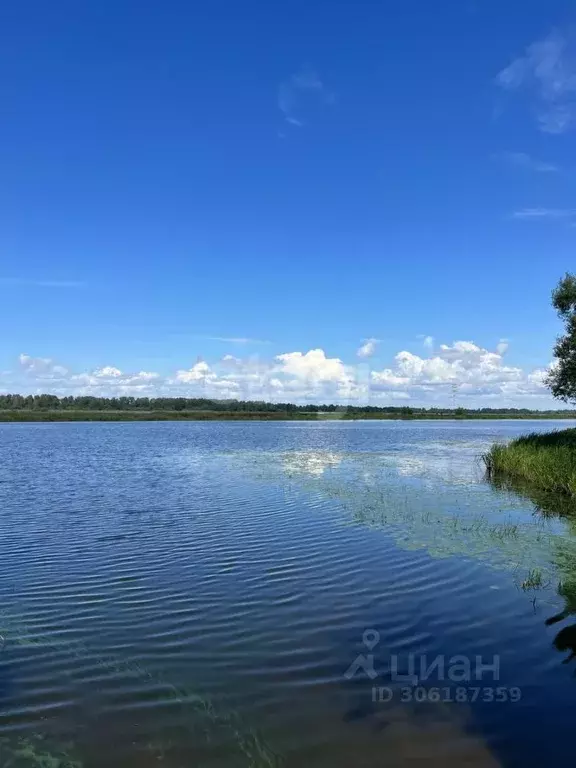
(166, 588)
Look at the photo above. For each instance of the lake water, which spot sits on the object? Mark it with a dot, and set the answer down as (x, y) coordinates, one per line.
(218, 594)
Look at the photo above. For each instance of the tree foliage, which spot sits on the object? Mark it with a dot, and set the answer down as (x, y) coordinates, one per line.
(46, 407)
(562, 377)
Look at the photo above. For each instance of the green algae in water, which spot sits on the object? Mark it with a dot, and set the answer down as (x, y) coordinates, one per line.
(36, 752)
(423, 506)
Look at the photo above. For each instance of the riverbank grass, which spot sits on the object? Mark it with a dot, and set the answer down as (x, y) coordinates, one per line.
(546, 460)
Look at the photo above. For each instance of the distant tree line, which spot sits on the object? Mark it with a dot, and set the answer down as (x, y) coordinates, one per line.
(36, 403)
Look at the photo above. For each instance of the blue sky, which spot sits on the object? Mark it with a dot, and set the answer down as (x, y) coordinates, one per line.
(185, 181)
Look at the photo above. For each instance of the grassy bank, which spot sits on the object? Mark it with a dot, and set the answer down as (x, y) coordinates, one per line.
(547, 460)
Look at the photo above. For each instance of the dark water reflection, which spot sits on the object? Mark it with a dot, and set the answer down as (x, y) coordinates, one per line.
(194, 594)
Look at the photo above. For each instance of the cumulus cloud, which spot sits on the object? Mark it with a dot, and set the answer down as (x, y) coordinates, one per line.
(110, 382)
(199, 372)
(107, 372)
(476, 371)
(43, 367)
(43, 374)
(481, 375)
(547, 72)
(312, 366)
(368, 348)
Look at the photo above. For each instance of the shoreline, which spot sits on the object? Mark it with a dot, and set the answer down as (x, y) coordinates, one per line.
(23, 416)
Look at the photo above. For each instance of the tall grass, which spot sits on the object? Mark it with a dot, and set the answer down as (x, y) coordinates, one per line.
(546, 460)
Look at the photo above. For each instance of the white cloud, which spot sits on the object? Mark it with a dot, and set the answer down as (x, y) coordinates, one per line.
(199, 372)
(538, 377)
(368, 348)
(544, 213)
(481, 376)
(147, 376)
(475, 371)
(43, 367)
(301, 96)
(547, 71)
(312, 366)
(522, 160)
(41, 374)
(107, 372)
(428, 342)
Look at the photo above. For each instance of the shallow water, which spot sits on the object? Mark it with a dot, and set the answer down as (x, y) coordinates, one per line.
(196, 593)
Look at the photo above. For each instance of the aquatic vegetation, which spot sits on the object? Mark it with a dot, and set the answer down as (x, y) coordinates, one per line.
(35, 752)
(534, 580)
(546, 460)
(424, 510)
(32, 752)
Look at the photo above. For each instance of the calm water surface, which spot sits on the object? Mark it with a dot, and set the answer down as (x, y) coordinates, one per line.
(193, 594)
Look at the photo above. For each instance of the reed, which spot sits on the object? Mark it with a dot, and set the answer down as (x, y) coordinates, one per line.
(545, 460)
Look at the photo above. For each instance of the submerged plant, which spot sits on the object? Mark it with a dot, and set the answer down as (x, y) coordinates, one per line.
(534, 580)
(35, 752)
